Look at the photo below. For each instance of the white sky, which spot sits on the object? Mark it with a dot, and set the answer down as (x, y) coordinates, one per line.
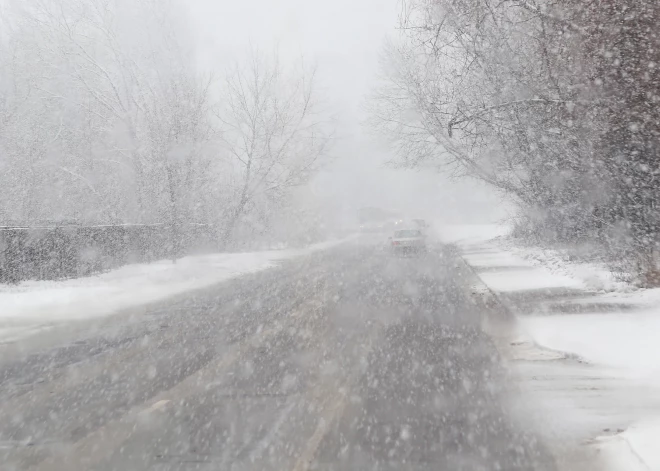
(344, 38)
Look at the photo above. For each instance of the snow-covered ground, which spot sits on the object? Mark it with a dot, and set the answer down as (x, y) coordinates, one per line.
(607, 392)
(33, 306)
(626, 341)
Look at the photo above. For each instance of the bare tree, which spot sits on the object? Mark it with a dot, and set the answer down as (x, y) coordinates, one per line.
(455, 83)
(98, 81)
(106, 117)
(549, 101)
(180, 135)
(489, 91)
(273, 131)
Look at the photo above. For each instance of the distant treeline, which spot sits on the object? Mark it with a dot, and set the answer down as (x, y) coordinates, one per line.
(49, 252)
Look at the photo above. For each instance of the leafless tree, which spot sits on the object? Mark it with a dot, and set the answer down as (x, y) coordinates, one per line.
(478, 87)
(105, 116)
(273, 131)
(548, 101)
(177, 120)
(102, 83)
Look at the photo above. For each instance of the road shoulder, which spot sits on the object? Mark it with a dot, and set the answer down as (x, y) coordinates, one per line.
(593, 415)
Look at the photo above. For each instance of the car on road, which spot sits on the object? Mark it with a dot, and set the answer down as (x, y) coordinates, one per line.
(408, 241)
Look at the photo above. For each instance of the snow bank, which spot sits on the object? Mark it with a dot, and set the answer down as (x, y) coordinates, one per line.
(607, 335)
(595, 276)
(627, 343)
(643, 438)
(127, 286)
(500, 269)
(616, 454)
(622, 340)
(26, 307)
(615, 329)
(486, 245)
(522, 280)
(636, 449)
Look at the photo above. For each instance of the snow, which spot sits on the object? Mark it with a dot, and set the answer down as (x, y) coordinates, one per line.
(594, 276)
(627, 344)
(643, 439)
(636, 449)
(641, 297)
(618, 455)
(486, 245)
(497, 259)
(507, 271)
(621, 340)
(611, 397)
(518, 280)
(31, 306)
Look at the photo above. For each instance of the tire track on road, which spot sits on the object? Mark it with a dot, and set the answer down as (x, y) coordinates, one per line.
(101, 443)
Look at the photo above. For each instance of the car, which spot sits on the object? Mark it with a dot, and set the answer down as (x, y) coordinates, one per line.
(408, 241)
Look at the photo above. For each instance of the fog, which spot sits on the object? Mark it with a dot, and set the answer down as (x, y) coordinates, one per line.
(126, 144)
(346, 40)
(265, 235)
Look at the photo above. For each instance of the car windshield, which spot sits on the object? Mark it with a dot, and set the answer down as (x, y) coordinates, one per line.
(407, 233)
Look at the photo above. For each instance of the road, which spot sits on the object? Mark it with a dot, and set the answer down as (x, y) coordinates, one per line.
(347, 359)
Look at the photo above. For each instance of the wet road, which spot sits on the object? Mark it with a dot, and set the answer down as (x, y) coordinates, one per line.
(348, 359)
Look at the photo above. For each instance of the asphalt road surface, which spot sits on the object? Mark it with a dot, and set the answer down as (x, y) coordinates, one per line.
(348, 359)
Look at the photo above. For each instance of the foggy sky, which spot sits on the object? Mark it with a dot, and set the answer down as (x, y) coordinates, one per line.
(344, 38)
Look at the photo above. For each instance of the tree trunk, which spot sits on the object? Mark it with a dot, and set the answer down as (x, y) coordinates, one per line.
(175, 237)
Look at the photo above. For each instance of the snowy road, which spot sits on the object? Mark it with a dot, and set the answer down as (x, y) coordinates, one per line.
(347, 359)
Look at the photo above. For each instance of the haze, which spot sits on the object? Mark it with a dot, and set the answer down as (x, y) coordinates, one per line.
(265, 235)
(346, 41)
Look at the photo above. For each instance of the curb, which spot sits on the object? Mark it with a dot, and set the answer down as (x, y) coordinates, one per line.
(602, 453)
(501, 323)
